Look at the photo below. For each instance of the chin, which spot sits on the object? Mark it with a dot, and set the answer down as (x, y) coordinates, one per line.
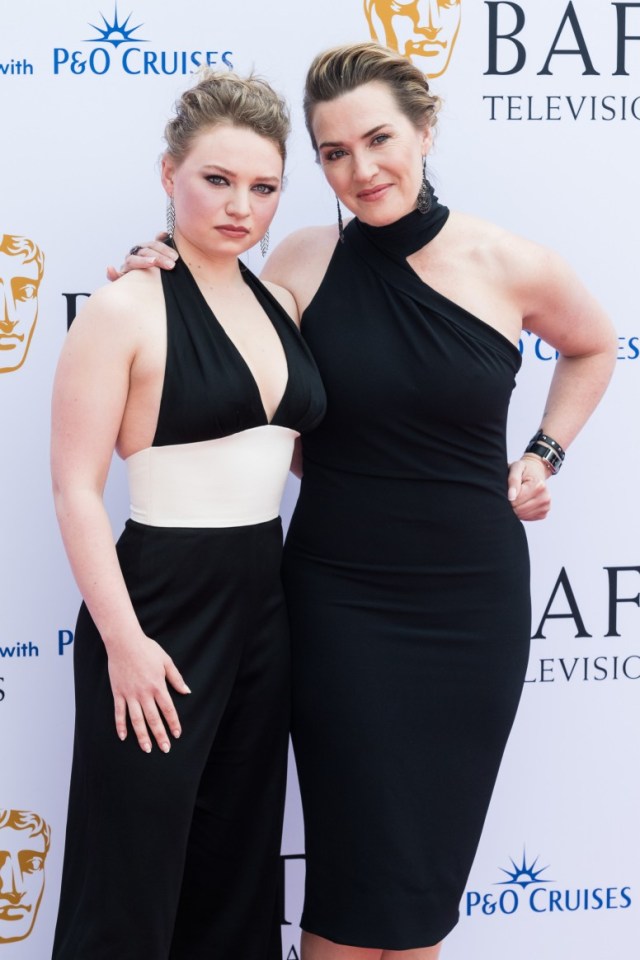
(385, 214)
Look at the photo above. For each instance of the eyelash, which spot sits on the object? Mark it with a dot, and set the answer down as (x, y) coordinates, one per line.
(265, 189)
(379, 139)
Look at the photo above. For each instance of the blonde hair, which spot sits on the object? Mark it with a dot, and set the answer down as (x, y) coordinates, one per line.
(342, 69)
(225, 98)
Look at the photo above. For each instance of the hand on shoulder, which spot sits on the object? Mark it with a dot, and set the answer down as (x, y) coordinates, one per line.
(150, 253)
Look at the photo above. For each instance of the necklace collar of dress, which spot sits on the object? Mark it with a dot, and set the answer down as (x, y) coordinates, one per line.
(408, 234)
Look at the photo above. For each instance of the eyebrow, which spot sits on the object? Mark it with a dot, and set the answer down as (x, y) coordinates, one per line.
(337, 143)
(230, 173)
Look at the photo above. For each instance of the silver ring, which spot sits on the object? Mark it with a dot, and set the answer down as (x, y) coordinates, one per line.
(134, 251)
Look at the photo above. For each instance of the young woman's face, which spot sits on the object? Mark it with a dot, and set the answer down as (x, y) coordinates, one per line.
(371, 153)
(225, 190)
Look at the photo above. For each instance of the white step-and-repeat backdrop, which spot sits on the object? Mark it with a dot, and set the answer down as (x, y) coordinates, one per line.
(541, 133)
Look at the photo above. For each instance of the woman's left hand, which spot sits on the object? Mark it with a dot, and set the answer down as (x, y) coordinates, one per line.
(527, 488)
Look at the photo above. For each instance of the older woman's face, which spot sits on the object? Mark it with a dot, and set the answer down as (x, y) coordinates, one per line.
(371, 153)
(423, 31)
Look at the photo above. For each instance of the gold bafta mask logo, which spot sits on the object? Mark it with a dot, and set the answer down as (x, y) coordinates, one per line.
(21, 270)
(24, 844)
(423, 31)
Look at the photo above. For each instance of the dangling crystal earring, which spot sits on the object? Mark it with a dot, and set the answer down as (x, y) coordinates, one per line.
(340, 223)
(424, 194)
(264, 244)
(171, 217)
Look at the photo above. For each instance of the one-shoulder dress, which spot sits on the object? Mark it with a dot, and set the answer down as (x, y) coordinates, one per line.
(177, 856)
(407, 581)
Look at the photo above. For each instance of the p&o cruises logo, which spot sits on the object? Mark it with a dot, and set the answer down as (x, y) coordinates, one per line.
(119, 46)
(529, 888)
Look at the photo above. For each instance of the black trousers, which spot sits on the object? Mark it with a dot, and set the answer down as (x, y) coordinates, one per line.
(176, 856)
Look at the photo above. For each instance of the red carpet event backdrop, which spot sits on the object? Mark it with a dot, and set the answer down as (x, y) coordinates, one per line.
(540, 132)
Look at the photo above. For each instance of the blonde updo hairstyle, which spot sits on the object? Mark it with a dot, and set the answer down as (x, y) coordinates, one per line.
(222, 97)
(342, 69)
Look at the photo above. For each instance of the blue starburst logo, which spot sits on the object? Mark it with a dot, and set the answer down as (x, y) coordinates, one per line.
(116, 32)
(524, 873)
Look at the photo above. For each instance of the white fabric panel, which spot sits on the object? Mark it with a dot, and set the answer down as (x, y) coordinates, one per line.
(230, 482)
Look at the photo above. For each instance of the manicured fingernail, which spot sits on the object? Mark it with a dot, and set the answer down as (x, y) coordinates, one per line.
(147, 748)
(122, 736)
(176, 733)
(187, 689)
(165, 747)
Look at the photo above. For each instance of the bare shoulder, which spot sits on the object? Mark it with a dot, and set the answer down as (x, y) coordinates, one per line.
(285, 298)
(515, 262)
(304, 243)
(507, 249)
(550, 297)
(122, 305)
(300, 262)
(479, 241)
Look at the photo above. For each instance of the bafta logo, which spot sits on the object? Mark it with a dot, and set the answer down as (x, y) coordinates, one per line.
(24, 844)
(423, 31)
(21, 269)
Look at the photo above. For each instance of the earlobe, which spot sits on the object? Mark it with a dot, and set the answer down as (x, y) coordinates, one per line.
(166, 175)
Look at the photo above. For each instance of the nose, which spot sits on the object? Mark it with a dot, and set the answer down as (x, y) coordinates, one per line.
(238, 204)
(8, 317)
(430, 26)
(364, 166)
(11, 884)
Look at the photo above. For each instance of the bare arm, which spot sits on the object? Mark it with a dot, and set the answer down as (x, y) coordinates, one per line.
(90, 395)
(559, 309)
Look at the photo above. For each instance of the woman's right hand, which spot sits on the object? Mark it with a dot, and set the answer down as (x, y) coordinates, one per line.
(139, 672)
(151, 253)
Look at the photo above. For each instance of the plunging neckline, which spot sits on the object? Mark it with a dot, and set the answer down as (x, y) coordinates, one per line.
(269, 421)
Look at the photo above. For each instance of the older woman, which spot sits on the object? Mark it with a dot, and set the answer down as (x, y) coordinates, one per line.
(406, 565)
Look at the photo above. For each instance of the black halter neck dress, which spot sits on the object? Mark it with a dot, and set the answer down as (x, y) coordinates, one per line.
(407, 580)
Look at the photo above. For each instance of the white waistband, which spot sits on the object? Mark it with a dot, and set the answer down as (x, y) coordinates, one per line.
(231, 482)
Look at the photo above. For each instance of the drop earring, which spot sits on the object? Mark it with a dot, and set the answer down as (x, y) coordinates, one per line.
(340, 223)
(171, 217)
(424, 194)
(264, 243)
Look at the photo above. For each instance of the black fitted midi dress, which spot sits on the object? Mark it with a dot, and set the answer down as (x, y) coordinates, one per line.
(407, 583)
(177, 856)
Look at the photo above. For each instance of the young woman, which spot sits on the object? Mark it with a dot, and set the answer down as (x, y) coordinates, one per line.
(201, 382)
(406, 566)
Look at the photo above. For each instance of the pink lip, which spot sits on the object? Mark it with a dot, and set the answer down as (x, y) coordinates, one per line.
(374, 194)
(232, 230)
